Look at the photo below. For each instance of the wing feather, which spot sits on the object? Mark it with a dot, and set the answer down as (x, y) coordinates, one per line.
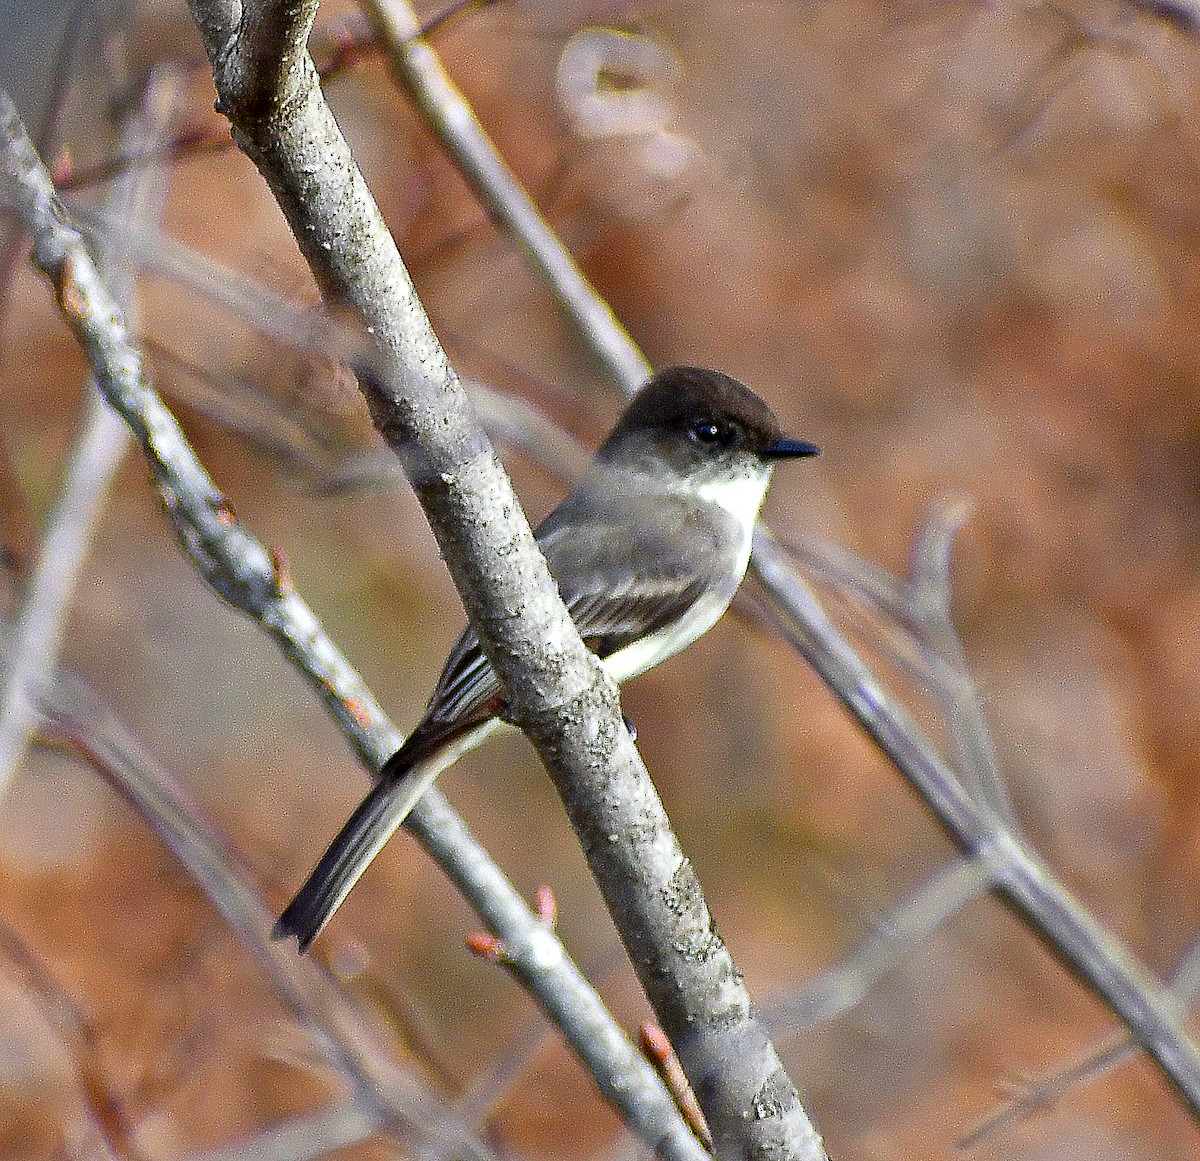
(624, 580)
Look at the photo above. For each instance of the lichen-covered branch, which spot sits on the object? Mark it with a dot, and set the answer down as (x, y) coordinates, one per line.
(556, 690)
(1015, 871)
(242, 571)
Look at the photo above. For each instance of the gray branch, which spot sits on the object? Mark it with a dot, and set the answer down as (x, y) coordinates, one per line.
(242, 572)
(1017, 874)
(1113, 1050)
(556, 690)
(303, 1138)
(841, 986)
(451, 117)
(928, 607)
(99, 450)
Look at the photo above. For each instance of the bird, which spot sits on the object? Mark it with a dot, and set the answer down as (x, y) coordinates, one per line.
(647, 552)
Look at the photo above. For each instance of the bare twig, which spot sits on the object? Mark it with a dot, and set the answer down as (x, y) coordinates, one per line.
(346, 50)
(838, 988)
(1112, 1051)
(921, 637)
(101, 446)
(1028, 1097)
(301, 1139)
(304, 447)
(929, 611)
(107, 1114)
(241, 570)
(344, 1037)
(930, 649)
(1019, 876)
(451, 117)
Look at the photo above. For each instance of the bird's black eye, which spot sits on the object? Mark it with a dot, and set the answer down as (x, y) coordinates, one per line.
(713, 432)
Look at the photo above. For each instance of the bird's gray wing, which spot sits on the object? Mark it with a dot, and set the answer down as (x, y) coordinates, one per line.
(619, 583)
(643, 565)
(608, 619)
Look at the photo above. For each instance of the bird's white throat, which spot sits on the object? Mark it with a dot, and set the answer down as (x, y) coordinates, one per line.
(741, 496)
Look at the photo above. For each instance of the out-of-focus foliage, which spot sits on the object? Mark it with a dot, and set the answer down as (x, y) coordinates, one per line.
(958, 245)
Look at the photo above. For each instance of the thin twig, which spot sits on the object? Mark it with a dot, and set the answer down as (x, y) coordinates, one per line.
(109, 1120)
(1098, 1060)
(972, 748)
(300, 1139)
(838, 988)
(241, 570)
(451, 117)
(1028, 1097)
(98, 453)
(344, 53)
(303, 446)
(920, 637)
(1020, 878)
(928, 648)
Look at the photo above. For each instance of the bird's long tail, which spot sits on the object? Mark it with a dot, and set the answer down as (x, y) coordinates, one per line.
(376, 818)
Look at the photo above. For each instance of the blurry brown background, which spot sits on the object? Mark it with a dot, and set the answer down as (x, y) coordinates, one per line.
(958, 245)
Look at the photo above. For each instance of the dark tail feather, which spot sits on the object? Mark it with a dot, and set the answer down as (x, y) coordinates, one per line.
(348, 856)
(401, 784)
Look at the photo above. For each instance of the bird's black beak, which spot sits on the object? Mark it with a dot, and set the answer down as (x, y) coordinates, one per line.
(789, 449)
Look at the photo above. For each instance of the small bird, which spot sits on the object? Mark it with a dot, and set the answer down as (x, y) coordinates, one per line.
(647, 552)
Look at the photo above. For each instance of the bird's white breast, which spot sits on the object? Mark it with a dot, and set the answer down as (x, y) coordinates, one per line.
(740, 498)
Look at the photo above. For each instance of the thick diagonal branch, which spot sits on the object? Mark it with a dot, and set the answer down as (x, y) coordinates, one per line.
(556, 689)
(1016, 873)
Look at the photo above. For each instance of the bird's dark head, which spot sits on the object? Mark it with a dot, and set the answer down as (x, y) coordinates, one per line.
(690, 415)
